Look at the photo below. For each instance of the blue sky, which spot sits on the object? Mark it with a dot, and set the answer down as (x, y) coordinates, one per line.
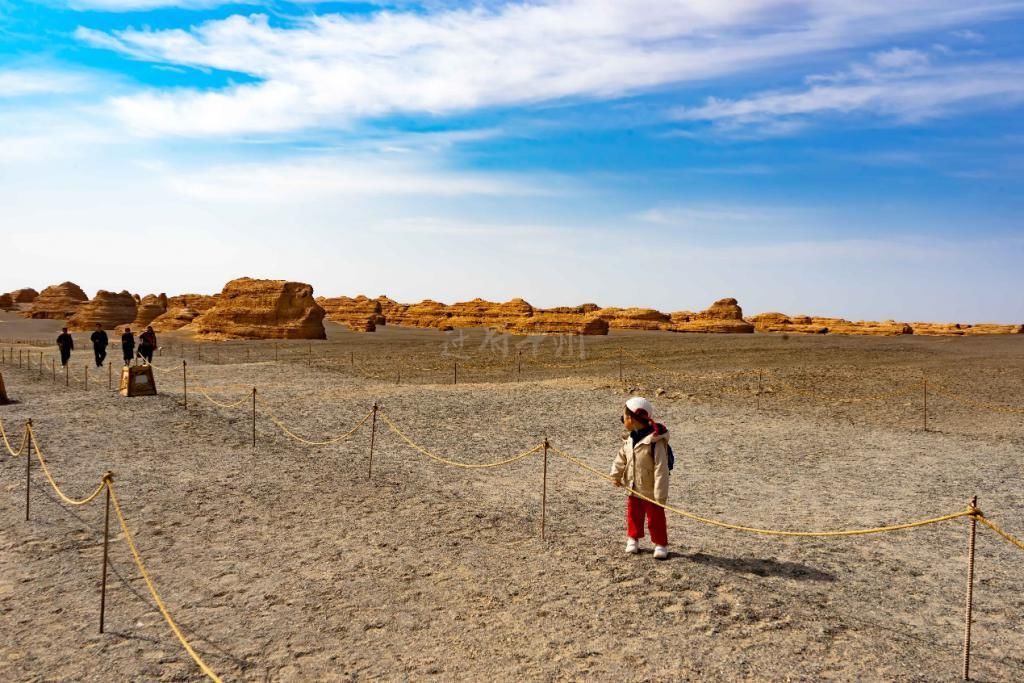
(855, 159)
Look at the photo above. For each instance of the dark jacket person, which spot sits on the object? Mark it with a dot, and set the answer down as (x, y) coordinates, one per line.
(66, 344)
(128, 345)
(99, 345)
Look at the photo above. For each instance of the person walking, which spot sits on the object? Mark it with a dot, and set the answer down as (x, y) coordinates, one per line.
(128, 345)
(66, 345)
(100, 341)
(642, 467)
(147, 344)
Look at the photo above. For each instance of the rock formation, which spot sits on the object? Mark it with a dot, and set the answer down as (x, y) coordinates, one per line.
(780, 322)
(57, 302)
(6, 302)
(175, 318)
(263, 309)
(481, 313)
(634, 318)
(988, 328)
(361, 314)
(198, 302)
(150, 308)
(547, 322)
(723, 317)
(107, 309)
(24, 296)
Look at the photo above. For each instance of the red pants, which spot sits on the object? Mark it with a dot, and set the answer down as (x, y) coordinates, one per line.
(636, 508)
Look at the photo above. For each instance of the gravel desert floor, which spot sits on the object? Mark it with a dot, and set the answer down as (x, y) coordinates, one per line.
(290, 561)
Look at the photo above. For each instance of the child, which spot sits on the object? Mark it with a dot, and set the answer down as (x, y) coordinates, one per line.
(642, 465)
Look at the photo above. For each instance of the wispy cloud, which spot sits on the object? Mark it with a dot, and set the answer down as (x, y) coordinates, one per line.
(901, 85)
(25, 82)
(142, 5)
(331, 70)
(302, 180)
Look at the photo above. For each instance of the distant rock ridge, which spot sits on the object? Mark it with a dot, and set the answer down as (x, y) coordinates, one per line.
(803, 324)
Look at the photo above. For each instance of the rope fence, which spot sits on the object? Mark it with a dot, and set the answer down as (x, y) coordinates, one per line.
(30, 440)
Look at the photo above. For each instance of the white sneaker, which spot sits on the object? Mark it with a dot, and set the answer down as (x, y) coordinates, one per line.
(660, 552)
(632, 546)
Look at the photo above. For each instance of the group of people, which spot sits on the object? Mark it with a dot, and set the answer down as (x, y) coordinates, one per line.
(147, 345)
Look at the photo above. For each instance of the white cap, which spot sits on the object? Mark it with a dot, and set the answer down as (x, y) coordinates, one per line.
(638, 403)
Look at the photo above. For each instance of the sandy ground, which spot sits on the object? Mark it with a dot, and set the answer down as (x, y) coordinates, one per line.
(287, 563)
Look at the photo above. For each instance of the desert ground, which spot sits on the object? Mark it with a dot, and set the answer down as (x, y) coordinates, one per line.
(287, 562)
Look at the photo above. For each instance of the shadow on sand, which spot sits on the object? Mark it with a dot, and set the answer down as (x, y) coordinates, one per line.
(758, 567)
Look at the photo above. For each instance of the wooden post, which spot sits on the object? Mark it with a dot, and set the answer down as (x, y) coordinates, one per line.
(254, 418)
(184, 380)
(28, 467)
(544, 494)
(106, 542)
(620, 363)
(40, 364)
(275, 351)
(373, 436)
(519, 377)
(248, 356)
(110, 375)
(67, 376)
(352, 359)
(759, 373)
(53, 371)
(199, 351)
(925, 404)
(309, 355)
(970, 591)
(85, 377)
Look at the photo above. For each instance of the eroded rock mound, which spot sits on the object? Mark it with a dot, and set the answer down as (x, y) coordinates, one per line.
(547, 322)
(634, 318)
(723, 317)
(6, 302)
(57, 302)
(150, 308)
(886, 328)
(988, 328)
(108, 309)
(175, 318)
(24, 296)
(481, 313)
(263, 309)
(360, 313)
(780, 322)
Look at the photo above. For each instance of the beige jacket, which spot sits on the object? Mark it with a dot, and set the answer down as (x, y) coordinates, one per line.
(643, 466)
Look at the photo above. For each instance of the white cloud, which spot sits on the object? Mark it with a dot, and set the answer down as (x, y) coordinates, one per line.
(27, 82)
(911, 93)
(142, 5)
(303, 180)
(330, 70)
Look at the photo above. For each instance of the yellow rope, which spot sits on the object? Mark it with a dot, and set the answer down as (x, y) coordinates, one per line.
(455, 463)
(53, 483)
(770, 532)
(24, 440)
(992, 525)
(298, 438)
(214, 401)
(152, 589)
(170, 368)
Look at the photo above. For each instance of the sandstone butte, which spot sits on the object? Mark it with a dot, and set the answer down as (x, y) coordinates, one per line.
(182, 310)
(150, 308)
(57, 302)
(262, 309)
(361, 314)
(802, 324)
(108, 309)
(6, 302)
(24, 296)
